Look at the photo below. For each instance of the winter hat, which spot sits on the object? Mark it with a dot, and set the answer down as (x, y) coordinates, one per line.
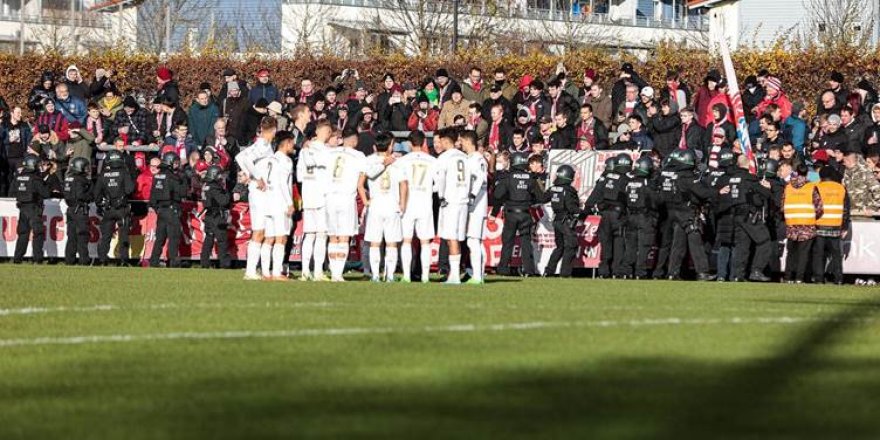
(289, 93)
(205, 86)
(590, 73)
(263, 72)
(546, 120)
(421, 99)
(524, 112)
(233, 86)
(718, 132)
(163, 73)
(836, 77)
(713, 75)
(262, 103)
(228, 72)
(751, 81)
(525, 82)
(409, 85)
(43, 129)
(623, 129)
(820, 156)
(130, 102)
(774, 83)
(627, 68)
(648, 92)
(71, 67)
(496, 88)
(440, 72)
(722, 83)
(275, 106)
(48, 75)
(865, 85)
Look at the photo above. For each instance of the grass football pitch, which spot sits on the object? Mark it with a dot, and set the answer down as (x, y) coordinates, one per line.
(107, 353)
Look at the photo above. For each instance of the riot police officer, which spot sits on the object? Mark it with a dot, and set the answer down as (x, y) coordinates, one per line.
(112, 190)
(608, 198)
(720, 219)
(29, 191)
(641, 219)
(564, 201)
(775, 219)
(77, 195)
(688, 194)
(516, 192)
(667, 191)
(749, 220)
(166, 196)
(215, 201)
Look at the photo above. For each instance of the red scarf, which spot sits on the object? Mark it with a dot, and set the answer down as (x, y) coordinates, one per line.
(303, 98)
(495, 136)
(477, 86)
(587, 129)
(682, 143)
(96, 127)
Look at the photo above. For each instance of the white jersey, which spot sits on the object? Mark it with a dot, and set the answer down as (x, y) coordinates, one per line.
(419, 170)
(453, 181)
(279, 184)
(345, 168)
(249, 159)
(385, 187)
(478, 172)
(313, 172)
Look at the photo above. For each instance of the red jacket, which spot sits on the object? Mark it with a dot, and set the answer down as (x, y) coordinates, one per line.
(429, 123)
(781, 100)
(143, 184)
(723, 99)
(701, 105)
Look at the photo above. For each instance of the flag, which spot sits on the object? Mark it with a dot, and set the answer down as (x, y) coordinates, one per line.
(742, 127)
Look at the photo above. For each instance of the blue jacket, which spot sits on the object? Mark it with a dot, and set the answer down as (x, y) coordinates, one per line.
(201, 121)
(794, 129)
(188, 143)
(268, 91)
(73, 109)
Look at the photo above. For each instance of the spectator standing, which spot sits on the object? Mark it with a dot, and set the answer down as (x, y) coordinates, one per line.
(202, 115)
(75, 84)
(263, 88)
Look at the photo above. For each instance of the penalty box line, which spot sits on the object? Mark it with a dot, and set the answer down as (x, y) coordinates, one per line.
(356, 331)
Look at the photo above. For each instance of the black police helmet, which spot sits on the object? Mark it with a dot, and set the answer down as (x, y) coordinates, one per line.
(519, 161)
(623, 163)
(564, 175)
(212, 174)
(610, 164)
(644, 166)
(687, 158)
(769, 168)
(726, 158)
(168, 159)
(79, 165)
(31, 162)
(115, 160)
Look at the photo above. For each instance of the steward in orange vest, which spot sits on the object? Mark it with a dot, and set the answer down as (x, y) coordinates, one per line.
(830, 227)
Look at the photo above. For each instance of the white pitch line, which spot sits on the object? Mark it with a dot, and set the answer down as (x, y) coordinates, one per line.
(458, 328)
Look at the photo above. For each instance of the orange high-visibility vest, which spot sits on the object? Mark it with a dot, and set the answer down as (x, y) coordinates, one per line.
(799, 209)
(833, 195)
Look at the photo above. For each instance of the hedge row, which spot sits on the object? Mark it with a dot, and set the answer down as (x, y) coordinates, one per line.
(802, 72)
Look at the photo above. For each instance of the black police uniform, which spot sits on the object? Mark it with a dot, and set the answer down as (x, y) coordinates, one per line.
(215, 201)
(516, 192)
(685, 213)
(78, 195)
(776, 224)
(720, 221)
(111, 194)
(641, 225)
(609, 197)
(166, 196)
(667, 191)
(29, 191)
(747, 199)
(565, 203)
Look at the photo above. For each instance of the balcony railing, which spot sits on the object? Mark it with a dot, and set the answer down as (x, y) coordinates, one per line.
(58, 18)
(691, 22)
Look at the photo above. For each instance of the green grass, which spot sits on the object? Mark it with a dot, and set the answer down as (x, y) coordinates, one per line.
(515, 358)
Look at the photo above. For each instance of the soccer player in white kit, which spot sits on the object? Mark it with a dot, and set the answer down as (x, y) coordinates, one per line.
(312, 172)
(279, 208)
(347, 165)
(478, 171)
(418, 219)
(453, 185)
(385, 205)
(251, 161)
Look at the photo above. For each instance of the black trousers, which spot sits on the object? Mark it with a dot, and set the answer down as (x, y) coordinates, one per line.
(611, 238)
(687, 239)
(640, 233)
(517, 224)
(664, 231)
(215, 232)
(30, 220)
(566, 248)
(77, 236)
(747, 234)
(168, 228)
(120, 220)
(827, 259)
(797, 258)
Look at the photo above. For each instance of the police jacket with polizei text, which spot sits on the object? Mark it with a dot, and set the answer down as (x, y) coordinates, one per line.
(113, 188)
(77, 192)
(215, 199)
(563, 200)
(516, 191)
(168, 189)
(746, 193)
(641, 196)
(609, 192)
(28, 188)
(694, 192)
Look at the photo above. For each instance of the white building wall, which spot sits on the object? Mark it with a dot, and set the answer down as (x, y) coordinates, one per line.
(762, 22)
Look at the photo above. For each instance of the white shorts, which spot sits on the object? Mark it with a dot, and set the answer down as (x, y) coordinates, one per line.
(342, 219)
(257, 212)
(476, 225)
(383, 224)
(422, 225)
(452, 222)
(278, 225)
(314, 220)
